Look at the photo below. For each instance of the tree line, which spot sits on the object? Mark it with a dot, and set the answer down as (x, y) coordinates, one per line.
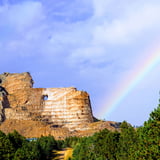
(13, 146)
(129, 143)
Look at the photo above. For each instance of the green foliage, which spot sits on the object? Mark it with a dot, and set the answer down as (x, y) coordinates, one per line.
(46, 145)
(60, 144)
(9, 144)
(15, 147)
(149, 137)
(29, 151)
(16, 139)
(70, 141)
(100, 146)
(128, 144)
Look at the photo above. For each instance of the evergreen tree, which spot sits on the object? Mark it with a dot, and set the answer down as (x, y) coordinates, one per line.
(149, 137)
(7, 149)
(127, 142)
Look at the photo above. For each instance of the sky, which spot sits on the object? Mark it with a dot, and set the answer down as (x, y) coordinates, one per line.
(103, 47)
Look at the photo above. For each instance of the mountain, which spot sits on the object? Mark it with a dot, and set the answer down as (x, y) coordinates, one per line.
(34, 112)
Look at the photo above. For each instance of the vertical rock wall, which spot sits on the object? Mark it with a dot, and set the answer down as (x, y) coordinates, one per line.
(65, 107)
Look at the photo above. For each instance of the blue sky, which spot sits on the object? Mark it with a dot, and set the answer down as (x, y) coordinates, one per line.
(89, 44)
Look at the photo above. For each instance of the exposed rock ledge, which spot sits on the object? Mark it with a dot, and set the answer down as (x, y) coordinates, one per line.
(29, 128)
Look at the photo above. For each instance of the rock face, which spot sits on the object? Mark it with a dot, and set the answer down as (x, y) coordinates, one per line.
(58, 107)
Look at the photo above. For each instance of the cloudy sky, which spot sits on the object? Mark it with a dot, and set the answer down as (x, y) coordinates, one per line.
(93, 45)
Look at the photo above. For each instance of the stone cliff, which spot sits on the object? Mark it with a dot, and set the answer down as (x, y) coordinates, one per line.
(64, 107)
(33, 112)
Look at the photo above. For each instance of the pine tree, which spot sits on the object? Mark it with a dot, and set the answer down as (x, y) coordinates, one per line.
(127, 142)
(149, 137)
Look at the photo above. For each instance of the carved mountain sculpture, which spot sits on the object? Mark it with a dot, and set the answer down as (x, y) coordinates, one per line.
(64, 107)
(33, 112)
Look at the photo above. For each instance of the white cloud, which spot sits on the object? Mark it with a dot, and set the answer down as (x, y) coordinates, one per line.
(122, 26)
(133, 23)
(33, 30)
(22, 28)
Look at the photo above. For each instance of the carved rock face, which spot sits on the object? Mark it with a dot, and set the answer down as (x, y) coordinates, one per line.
(65, 107)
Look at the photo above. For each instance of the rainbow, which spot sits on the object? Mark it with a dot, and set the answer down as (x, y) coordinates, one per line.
(145, 66)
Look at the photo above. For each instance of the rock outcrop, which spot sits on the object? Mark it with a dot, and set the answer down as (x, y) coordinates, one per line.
(33, 112)
(59, 107)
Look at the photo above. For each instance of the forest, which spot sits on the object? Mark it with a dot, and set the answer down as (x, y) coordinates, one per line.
(128, 143)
